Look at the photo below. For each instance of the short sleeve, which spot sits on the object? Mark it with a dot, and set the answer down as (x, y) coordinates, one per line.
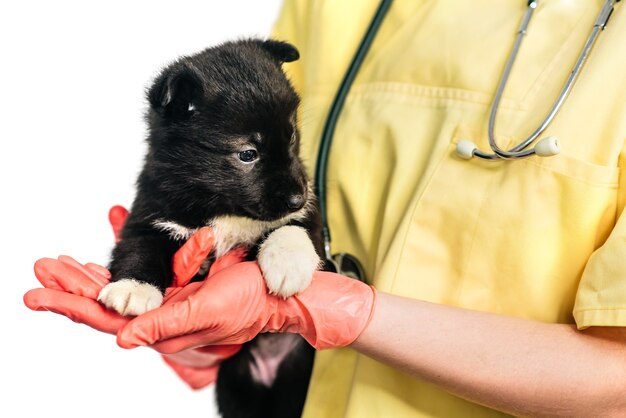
(601, 296)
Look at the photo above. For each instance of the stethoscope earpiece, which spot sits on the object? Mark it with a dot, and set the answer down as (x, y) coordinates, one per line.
(465, 149)
(548, 146)
(346, 265)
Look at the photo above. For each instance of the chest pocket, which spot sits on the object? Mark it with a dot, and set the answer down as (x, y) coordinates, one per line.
(511, 237)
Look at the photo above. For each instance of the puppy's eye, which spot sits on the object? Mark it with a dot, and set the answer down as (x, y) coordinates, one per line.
(248, 155)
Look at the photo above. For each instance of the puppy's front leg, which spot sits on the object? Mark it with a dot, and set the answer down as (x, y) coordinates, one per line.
(141, 269)
(288, 260)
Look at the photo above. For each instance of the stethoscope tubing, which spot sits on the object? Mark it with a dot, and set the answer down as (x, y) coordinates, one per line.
(333, 116)
(520, 151)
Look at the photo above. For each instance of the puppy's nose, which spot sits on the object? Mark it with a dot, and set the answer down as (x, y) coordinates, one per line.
(296, 201)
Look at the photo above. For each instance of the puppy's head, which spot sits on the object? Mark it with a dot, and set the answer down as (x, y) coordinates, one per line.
(223, 135)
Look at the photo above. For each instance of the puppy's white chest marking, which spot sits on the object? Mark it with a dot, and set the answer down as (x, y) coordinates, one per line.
(287, 256)
(230, 231)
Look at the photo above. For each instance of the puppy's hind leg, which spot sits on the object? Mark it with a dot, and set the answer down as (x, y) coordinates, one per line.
(288, 393)
(259, 382)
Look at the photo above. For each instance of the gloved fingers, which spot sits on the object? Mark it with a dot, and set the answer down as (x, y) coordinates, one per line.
(230, 307)
(99, 270)
(68, 275)
(176, 294)
(196, 378)
(194, 341)
(189, 258)
(77, 308)
(207, 356)
(94, 278)
(223, 350)
(338, 310)
(168, 321)
(170, 331)
(234, 256)
(117, 217)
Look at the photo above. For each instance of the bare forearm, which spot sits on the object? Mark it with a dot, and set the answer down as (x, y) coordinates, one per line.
(514, 365)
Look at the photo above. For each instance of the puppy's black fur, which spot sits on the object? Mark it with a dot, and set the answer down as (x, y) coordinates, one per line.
(223, 141)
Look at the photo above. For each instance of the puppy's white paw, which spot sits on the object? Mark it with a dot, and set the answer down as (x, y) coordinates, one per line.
(130, 297)
(288, 260)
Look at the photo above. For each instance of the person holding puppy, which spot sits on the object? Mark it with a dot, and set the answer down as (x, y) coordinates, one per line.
(495, 287)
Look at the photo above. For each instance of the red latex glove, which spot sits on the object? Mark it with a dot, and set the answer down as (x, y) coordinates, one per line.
(233, 306)
(71, 289)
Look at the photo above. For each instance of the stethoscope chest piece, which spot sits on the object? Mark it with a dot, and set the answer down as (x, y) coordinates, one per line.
(346, 265)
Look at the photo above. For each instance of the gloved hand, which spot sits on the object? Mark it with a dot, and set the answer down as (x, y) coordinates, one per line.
(233, 306)
(71, 289)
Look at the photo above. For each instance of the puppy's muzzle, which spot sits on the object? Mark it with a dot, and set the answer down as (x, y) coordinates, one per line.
(296, 202)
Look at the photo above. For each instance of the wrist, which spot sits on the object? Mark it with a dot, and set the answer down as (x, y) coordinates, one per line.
(332, 312)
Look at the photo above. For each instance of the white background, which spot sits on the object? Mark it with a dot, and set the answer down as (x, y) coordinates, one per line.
(73, 75)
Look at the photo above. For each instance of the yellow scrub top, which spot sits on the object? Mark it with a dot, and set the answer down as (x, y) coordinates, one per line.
(539, 238)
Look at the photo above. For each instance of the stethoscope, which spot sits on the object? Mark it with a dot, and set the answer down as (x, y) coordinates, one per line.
(347, 264)
(549, 145)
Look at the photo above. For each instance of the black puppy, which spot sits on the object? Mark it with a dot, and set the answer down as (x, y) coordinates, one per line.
(223, 151)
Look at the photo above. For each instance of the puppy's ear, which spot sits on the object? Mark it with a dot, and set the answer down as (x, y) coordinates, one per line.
(175, 92)
(282, 51)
